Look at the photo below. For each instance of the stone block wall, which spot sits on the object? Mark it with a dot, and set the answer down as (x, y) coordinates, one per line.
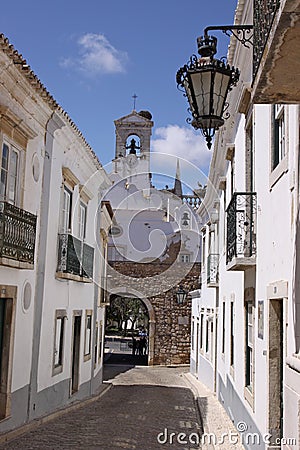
(156, 285)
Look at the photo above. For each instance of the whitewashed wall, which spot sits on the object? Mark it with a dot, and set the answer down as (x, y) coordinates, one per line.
(277, 208)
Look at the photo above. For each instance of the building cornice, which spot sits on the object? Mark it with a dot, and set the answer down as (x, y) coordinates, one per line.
(25, 70)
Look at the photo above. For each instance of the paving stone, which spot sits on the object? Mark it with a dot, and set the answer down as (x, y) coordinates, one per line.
(142, 403)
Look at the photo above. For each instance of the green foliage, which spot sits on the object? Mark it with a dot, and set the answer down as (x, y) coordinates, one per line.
(125, 309)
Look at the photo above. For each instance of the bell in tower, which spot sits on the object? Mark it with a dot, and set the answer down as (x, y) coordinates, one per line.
(132, 154)
(132, 146)
(134, 125)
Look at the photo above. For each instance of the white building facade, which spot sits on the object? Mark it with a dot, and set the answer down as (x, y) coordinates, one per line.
(53, 244)
(245, 318)
(147, 220)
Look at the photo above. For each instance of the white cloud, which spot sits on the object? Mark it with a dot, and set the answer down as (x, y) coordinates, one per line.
(174, 142)
(97, 56)
(182, 142)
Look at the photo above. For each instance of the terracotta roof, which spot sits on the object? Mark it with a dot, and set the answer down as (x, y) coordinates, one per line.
(38, 86)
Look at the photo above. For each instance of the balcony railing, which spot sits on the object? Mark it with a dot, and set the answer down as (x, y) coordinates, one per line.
(264, 12)
(192, 200)
(17, 234)
(213, 269)
(74, 257)
(241, 226)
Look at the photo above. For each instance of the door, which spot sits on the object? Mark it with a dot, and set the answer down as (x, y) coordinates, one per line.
(276, 370)
(2, 318)
(76, 354)
(6, 313)
(197, 348)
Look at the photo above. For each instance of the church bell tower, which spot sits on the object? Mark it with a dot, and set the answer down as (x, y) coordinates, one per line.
(132, 153)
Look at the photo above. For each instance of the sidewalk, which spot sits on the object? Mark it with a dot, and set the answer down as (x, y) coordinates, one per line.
(215, 419)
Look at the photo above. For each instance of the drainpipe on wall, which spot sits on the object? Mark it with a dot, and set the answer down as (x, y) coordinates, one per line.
(296, 221)
(216, 340)
(97, 283)
(54, 123)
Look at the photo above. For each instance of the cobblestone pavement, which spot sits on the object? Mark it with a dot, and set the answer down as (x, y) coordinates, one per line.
(141, 403)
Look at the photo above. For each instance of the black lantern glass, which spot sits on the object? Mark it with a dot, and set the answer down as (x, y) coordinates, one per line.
(206, 82)
(181, 295)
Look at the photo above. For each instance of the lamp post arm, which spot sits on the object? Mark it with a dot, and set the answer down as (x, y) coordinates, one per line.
(241, 32)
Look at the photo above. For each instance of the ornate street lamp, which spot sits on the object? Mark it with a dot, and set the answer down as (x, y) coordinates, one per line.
(181, 295)
(206, 82)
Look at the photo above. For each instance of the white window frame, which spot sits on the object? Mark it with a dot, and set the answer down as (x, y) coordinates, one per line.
(231, 340)
(249, 344)
(203, 256)
(96, 343)
(211, 339)
(100, 350)
(82, 221)
(193, 334)
(66, 211)
(232, 175)
(250, 155)
(5, 196)
(279, 124)
(223, 327)
(201, 331)
(59, 341)
(279, 144)
(88, 335)
(207, 331)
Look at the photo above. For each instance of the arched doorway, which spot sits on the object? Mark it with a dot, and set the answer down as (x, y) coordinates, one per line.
(137, 323)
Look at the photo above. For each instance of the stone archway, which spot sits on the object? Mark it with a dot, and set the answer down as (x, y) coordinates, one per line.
(169, 322)
(129, 292)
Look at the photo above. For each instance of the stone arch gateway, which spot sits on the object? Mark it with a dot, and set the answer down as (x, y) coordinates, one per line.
(169, 322)
(131, 292)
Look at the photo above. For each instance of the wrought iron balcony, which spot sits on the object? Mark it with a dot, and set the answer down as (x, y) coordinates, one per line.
(17, 236)
(75, 258)
(264, 12)
(276, 64)
(241, 231)
(213, 270)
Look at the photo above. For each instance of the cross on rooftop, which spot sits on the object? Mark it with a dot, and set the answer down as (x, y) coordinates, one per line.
(134, 100)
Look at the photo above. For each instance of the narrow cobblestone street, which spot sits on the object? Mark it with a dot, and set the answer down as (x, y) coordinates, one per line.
(141, 403)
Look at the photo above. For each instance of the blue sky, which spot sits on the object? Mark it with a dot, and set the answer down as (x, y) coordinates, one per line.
(93, 56)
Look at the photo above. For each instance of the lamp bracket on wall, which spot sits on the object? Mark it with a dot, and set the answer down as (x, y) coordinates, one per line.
(243, 33)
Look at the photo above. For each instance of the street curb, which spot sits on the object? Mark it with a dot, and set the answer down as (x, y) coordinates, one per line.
(13, 434)
(214, 418)
(203, 422)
